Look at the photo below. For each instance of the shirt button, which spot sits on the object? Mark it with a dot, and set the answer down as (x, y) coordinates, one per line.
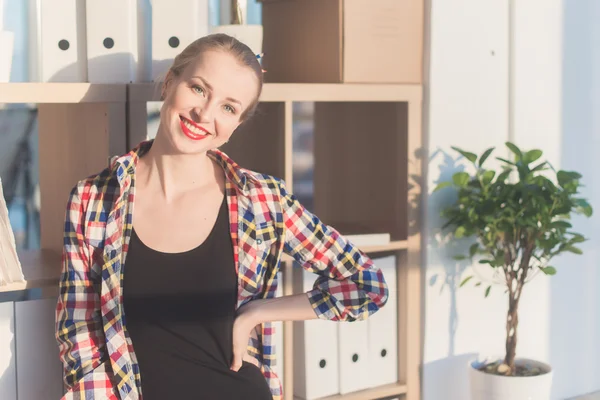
(259, 241)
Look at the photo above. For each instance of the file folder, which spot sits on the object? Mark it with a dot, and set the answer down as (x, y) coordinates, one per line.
(315, 349)
(7, 44)
(117, 45)
(383, 330)
(353, 356)
(58, 41)
(173, 29)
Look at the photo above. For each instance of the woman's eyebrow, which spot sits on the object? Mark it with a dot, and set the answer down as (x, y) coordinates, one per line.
(209, 87)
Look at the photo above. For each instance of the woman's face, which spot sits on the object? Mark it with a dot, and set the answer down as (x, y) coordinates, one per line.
(203, 106)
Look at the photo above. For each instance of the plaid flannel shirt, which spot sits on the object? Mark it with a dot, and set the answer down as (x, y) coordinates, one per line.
(266, 220)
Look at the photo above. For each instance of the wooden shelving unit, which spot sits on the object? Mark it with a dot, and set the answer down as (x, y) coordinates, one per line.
(366, 140)
(376, 393)
(40, 268)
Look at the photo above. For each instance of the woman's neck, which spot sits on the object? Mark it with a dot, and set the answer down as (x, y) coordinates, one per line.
(172, 175)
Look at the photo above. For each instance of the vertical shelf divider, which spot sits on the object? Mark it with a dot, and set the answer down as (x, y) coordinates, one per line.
(410, 279)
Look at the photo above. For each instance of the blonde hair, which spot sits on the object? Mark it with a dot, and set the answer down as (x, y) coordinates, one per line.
(220, 41)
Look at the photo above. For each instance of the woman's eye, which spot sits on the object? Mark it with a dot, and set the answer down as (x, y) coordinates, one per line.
(198, 89)
(230, 109)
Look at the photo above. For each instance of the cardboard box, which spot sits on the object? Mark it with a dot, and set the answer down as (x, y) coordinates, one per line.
(334, 41)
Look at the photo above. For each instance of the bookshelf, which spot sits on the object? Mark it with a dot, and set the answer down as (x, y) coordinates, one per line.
(366, 138)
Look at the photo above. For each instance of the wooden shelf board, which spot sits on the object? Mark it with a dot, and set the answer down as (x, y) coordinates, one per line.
(55, 92)
(282, 92)
(41, 269)
(392, 246)
(34, 92)
(374, 393)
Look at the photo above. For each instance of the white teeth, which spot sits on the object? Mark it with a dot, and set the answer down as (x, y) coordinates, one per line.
(194, 129)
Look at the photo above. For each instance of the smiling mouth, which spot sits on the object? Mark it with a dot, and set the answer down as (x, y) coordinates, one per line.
(192, 130)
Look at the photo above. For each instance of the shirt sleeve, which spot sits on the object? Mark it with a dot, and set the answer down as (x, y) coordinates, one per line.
(349, 287)
(79, 333)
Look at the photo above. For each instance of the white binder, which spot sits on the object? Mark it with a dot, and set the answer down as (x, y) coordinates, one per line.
(315, 349)
(383, 330)
(173, 28)
(6, 44)
(278, 337)
(117, 45)
(353, 356)
(57, 41)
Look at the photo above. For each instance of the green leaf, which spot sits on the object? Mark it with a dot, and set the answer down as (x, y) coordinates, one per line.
(442, 185)
(505, 160)
(478, 284)
(461, 179)
(565, 177)
(515, 150)
(577, 238)
(488, 176)
(473, 249)
(487, 291)
(469, 156)
(486, 262)
(549, 270)
(585, 207)
(464, 281)
(574, 249)
(502, 177)
(485, 155)
(532, 155)
(539, 167)
(460, 232)
(560, 224)
(459, 257)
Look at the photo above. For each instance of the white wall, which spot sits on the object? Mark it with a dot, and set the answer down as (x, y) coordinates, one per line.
(556, 88)
(575, 303)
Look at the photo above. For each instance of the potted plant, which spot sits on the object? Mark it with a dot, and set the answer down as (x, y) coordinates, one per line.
(520, 218)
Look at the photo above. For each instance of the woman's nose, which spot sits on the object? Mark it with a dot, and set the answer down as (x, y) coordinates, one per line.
(204, 113)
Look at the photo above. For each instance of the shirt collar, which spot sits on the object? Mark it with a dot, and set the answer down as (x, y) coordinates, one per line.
(124, 166)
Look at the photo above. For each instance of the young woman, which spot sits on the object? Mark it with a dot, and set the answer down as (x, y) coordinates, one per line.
(171, 254)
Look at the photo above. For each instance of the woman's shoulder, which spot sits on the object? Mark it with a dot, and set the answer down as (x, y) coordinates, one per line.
(263, 182)
(102, 185)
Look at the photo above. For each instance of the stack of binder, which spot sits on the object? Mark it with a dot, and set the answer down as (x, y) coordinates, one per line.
(343, 357)
(111, 41)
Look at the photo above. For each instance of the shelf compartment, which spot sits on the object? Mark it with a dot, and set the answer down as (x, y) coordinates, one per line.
(360, 183)
(75, 141)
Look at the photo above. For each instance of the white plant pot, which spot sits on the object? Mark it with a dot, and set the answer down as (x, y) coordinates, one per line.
(486, 386)
(7, 40)
(251, 35)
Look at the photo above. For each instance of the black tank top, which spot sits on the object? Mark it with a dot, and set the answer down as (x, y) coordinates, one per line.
(179, 310)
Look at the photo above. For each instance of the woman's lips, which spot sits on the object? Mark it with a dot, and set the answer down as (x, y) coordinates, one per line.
(192, 130)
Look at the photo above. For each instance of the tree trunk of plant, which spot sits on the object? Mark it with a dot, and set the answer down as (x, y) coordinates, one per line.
(512, 322)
